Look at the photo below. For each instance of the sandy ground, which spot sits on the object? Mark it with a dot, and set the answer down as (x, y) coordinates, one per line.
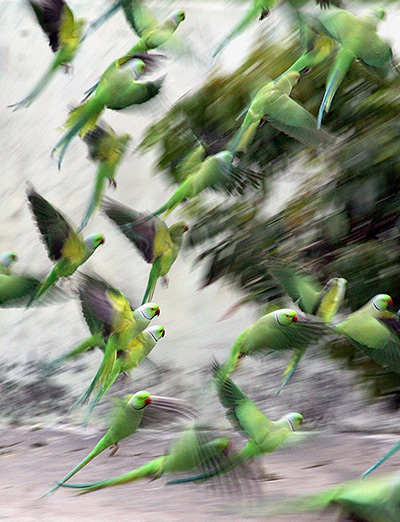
(33, 459)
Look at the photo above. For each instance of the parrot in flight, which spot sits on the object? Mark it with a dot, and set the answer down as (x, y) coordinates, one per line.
(108, 149)
(264, 436)
(358, 39)
(117, 89)
(152, 34)
(375, 331)
(64, 33)
(127, 417)
(6, 260)
(190, 450)
(158, 243)
(278, 330)
(63, 244)
(273, 104)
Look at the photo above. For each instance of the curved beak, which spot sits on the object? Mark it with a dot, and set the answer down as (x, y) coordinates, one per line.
(295, 319)
(390, 302)
(158, 311)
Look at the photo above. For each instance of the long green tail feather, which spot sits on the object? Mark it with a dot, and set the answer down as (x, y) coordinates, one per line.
(391, 452)
(93, 26)
(38, 88)
(102, 174)
(294, 361)
(43, 288)
(151, 284)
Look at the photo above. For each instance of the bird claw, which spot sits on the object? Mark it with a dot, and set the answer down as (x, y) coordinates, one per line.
(113, 449)
(68, 68)
(165, 282)
(112, 183)
(264, 14)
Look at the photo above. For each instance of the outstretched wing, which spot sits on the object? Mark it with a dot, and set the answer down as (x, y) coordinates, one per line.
(139, 17)
(49, 14)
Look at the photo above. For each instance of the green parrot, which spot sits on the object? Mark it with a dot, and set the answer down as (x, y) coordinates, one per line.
(158, 243)
(273, 104)
(278, 330)
(152, 34)
(189, 451)
(7, 259)
(376, 499)
(359, 40)
(303, 287)
(215, 172)
(107, 149)
(264, 435)
(117, 89)
(64, 245)
(127, 418)
(374, 331)
(64, 33)
(138, 349)
(122, 323)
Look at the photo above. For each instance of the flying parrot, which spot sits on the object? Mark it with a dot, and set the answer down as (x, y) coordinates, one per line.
(63, 244)
(303, 287)
(128, 414)
(122, 323)
(359, 40)
(158, 244)
(117, 89)
(189, 451)
(273, 104)
(278, 330)
(6, 260)
(215, 172)
(375, 331)
(106, 148)
(152, 34)
(264, 436)
(64, 33)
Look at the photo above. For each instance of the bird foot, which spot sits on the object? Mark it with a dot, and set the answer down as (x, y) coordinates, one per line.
(165, 282)
(264, 14)
(112, 183)
(68, 68)
(113, 449)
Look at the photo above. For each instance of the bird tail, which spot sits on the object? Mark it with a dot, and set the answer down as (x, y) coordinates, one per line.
(151, 284)
(44, 287)
(237, 352)
(93, 26)
(87, 344)
(38, 88)
(391, 452)
(343, 61)
(233, 461)
(104, 172)
(80, 120)
(290, 368)
(151, 469)
(102, 391)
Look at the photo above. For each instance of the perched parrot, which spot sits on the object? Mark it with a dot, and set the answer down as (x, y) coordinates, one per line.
(376, 499)
(279, 330)
(215, 172)
(64, 33)
(138, 349)
(303, 287)
(358, 39)
(273, 104)
(63, 244)
(152, 34)
(112, 309)
(106, 148)
(264, 435)
(187, 452)
(127, 417)
(158, 244)
(117, 89)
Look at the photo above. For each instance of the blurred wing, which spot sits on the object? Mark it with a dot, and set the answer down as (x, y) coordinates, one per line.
(67, 27)
(99, 141)
(49, 14)
(54, 228)
(235, 180)
(191, 162)
(299, 284)
(336, 23)
(138, 93)
(139, 17)
(376, 53)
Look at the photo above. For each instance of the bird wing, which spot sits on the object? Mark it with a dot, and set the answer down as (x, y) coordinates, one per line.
(49, 14)
(99, 141)
(67, 27)
(57, 233)
(376, 52)
(335, 23)
(139, 17)
(18, 290)
(190, 163)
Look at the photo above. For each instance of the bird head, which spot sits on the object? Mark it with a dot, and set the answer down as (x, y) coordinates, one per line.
(8, 258)
(138, 67)
(178, 16)
(285, 316)
(124, 138)
(379, 12)
(149, 310)
(94, 240)
(294, 77)
(140, 400)
(225, 156)
(156, 332)
(178, 229)
(294, 419)
(381, 302)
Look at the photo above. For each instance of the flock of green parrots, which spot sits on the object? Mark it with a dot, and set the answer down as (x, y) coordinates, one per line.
(123, 333)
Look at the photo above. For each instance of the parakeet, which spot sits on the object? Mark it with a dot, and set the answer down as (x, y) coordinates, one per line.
(273, 104)
(127, 417)
(64, 33)
(375, 331)
(6, 260)
(264, 435)
(106, 148)
(358, 39)
(158, 244)
(215, 172)
(190, 450)
(278, 330)
(117, 89)
(64, 246)
(122, 323)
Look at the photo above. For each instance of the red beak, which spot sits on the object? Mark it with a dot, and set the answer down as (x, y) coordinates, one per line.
(390, 302)
(103, 240)
(158, 312)
(148, 401)
(295, 319)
